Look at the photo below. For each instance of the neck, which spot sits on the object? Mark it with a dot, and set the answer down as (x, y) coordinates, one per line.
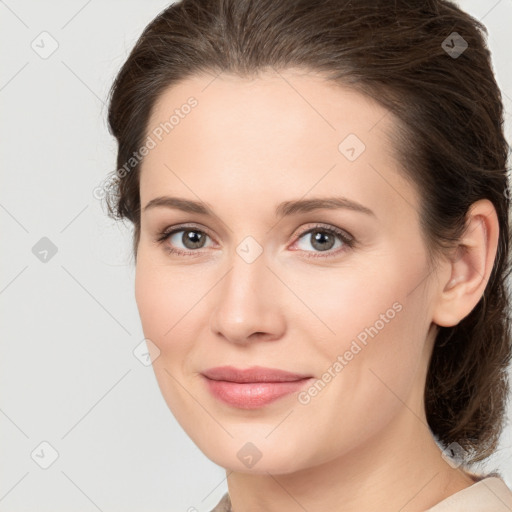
(400, 469)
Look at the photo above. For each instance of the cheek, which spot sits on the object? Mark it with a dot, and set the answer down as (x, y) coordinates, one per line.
(348, 304)
(149, 297)
(372, 333)
(163, 298)
(163, 302)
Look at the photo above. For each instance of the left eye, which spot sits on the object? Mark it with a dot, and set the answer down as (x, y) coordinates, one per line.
(190, 238)
(323, 239)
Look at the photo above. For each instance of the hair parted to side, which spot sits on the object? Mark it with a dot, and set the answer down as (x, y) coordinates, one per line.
(449, 142)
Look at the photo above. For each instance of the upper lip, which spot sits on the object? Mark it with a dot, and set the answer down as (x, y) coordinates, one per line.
(253, 374)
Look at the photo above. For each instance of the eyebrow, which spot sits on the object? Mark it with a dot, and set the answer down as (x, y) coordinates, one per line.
(284, 209)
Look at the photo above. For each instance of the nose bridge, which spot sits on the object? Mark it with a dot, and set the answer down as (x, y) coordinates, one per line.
(248, 270)
(247, 286)
(247, 300)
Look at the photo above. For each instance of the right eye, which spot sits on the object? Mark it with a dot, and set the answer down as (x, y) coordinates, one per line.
(189, 236)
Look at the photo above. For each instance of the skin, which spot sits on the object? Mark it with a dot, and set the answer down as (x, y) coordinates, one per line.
(362, 443)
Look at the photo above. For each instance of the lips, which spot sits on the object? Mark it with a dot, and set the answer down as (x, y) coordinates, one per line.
(254, 374)
(254, 387)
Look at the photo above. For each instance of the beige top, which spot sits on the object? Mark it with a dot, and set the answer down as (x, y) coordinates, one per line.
(490, 494)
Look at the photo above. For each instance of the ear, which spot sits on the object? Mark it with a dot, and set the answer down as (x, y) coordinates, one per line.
(465, 275)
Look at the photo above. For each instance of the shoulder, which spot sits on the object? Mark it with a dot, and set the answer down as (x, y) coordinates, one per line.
(224, 504)
(489, 494)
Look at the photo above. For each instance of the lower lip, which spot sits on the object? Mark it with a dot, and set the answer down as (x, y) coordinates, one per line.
(252, 395)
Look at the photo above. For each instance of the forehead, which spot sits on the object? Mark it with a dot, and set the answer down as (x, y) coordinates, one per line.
(289, 103)
(281, 132)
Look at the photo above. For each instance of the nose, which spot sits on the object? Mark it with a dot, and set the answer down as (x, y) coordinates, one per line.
(249, 306)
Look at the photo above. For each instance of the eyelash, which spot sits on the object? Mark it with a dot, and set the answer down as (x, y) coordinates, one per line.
(348, 241)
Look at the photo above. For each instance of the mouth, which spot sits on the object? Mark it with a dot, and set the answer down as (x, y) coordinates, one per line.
(254, 387)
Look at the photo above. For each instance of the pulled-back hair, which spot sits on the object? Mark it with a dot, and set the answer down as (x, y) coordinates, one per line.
(411, 57)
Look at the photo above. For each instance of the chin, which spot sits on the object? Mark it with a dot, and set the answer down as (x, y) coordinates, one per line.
(254, 455)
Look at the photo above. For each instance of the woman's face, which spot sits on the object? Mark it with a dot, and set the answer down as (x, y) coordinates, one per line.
(306, 257)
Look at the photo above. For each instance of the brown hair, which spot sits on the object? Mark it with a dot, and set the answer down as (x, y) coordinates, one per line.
(449, 140)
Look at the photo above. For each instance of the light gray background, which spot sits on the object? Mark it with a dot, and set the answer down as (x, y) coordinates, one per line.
(69, 325)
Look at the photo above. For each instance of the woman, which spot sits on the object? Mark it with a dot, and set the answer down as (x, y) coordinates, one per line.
(366, 374)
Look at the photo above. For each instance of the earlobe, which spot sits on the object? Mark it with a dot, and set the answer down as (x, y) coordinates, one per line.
(470, 268)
